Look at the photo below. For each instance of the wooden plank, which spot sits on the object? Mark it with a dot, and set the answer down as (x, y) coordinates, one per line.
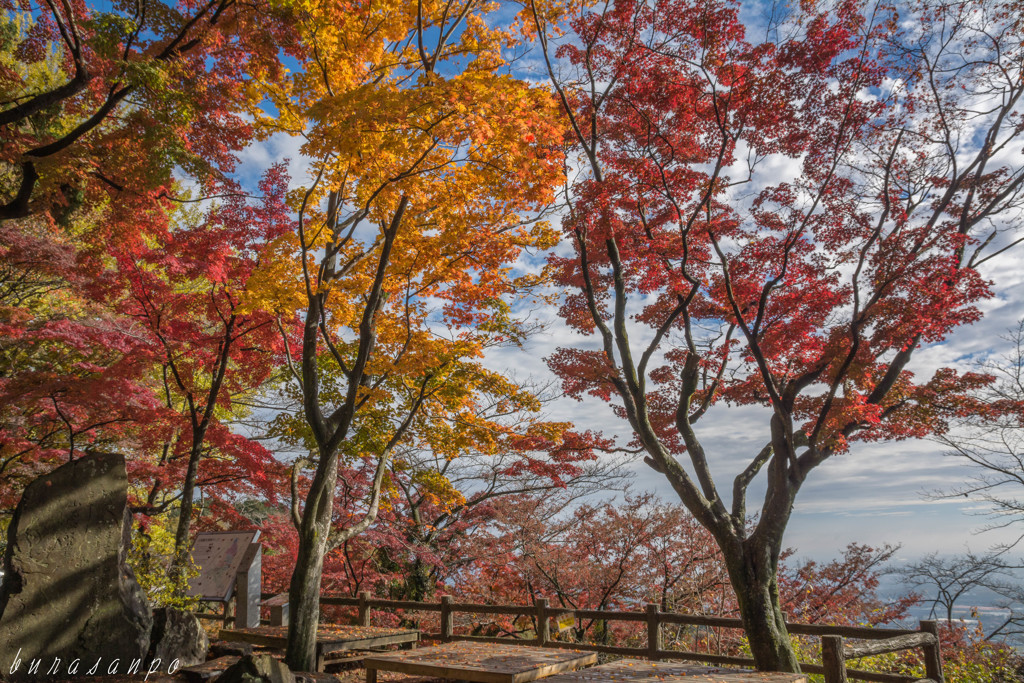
(208, 670)
(703, 657)
(699, 620)
(832, 659)
(277, 600)
(447, 621)
(554, 644)
(603, 649)
(932, 653)
(403, 604)
(665, 617)
(339, 601)
(859, 632)
(855, 674)
(500, 640)
(543, 625)
(641, 671)
(325, 646)
(706, 658)
(609, 615)
(249, 635)
(349, 637)
(481, 663)
(474, 608)
(884, 647)
(653, 632)
(608, 649)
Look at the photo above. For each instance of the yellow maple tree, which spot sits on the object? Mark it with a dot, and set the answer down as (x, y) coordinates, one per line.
(430, 162)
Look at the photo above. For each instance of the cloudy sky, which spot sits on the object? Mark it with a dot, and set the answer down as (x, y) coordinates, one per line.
(873, 494)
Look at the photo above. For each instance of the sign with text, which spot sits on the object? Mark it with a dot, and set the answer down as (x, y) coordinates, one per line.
(218, 555)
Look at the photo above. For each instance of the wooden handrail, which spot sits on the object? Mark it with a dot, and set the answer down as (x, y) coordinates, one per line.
(835, 652)
(834, 655)
(884, 647)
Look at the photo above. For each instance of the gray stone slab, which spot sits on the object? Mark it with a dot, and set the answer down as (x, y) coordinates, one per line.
(68, 591)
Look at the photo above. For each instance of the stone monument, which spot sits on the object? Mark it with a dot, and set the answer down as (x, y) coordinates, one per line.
(68, 591)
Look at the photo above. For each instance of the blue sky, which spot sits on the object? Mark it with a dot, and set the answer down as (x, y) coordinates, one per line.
(872, 494)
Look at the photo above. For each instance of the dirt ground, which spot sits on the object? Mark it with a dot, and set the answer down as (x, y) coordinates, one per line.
(350, 674)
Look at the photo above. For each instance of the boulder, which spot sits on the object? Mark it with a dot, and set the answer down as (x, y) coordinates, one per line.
(260, 668)
(177, 634)
(68, 591)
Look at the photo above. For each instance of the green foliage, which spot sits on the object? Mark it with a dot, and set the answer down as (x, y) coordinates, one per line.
(151, 556)
(906, 663)
(979, 661)
(5, 521)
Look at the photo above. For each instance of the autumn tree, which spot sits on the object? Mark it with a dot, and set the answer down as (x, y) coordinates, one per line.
(100, 110)
(144, 346)
(100, 104)
(781, 223)
(443, 481)
(185, 290)
(70, 378)
(587, 558)
(843, 591)
(445, 498)
(607, 554)
(427, 156)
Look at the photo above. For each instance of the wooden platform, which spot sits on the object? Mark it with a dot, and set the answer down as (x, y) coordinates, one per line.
(480, 662)
(329, 638)
(642, 671)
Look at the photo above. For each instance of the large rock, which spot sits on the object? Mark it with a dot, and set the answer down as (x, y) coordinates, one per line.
(68, 591)
(257, 669)
(177, 635)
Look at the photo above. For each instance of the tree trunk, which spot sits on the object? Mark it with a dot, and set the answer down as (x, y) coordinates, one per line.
(188, 490)
(755, 581)
(181, 534)
(418, 585)
(304, 603)
(304, 590)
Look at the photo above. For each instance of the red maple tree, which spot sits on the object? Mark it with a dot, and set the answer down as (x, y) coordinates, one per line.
(780, 223)
(103, 104)
(183, 288)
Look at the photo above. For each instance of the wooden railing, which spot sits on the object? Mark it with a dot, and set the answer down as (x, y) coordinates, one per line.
(835, 652)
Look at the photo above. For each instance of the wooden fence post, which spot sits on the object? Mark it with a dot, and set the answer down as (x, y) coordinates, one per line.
(364, 608)
(447, 623)
(543, 625)
(653, 632)
(932, 653)
(833, 660)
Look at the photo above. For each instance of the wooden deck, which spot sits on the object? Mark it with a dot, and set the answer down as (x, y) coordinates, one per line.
(329, 638)
(642, 671)
(480, 662)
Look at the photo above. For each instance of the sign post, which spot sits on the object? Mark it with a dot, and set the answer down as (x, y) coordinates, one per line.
(230, 565)
(247, 588)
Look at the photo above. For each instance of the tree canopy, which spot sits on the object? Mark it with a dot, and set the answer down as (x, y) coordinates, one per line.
(724, 212)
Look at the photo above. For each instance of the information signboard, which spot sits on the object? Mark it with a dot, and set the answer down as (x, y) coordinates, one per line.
(218, 555)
